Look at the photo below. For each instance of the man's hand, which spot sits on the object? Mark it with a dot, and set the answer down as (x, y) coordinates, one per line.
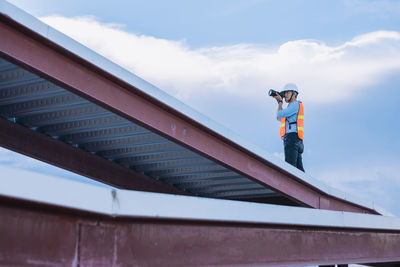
(278, 98)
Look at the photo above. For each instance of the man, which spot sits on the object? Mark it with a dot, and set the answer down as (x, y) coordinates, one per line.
(292, 120)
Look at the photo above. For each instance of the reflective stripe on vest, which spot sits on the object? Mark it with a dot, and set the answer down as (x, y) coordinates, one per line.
(300, 123)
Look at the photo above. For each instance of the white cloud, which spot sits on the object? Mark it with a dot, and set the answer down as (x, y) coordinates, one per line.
(323, 73)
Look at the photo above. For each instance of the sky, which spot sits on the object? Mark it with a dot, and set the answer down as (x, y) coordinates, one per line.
(221, 57)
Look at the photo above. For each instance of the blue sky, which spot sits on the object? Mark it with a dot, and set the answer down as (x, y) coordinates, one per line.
(220, 57)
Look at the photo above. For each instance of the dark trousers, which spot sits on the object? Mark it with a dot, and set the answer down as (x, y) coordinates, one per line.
(293, 149)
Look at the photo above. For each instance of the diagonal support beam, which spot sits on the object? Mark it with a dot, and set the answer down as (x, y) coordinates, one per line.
(39, 146)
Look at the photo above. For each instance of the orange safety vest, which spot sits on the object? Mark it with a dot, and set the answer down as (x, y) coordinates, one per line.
(300, 123)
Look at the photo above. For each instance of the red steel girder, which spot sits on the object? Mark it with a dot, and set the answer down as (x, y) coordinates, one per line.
(36, 145)
(27, 49)
(50, 236)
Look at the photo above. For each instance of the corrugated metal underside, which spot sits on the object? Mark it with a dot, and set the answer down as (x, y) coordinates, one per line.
(34, 102)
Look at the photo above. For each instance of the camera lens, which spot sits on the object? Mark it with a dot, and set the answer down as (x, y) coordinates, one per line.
(272, 92)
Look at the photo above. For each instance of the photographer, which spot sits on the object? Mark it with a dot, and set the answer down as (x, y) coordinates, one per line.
(292, 121)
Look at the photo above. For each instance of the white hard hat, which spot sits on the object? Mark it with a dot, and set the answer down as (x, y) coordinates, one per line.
(290, 87)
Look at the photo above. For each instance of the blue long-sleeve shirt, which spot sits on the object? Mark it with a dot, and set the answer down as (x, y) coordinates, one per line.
(290, 113)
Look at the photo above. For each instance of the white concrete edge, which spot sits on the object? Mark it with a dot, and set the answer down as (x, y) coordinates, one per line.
(82, 51)
(48, 190)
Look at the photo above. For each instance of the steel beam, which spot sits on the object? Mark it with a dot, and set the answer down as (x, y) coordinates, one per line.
(24, 48)
(36, 145)
(28, 230)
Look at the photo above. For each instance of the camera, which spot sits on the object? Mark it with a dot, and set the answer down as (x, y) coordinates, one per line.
(274, 93)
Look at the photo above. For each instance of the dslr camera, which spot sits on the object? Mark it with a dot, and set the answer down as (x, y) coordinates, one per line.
(273, 93)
